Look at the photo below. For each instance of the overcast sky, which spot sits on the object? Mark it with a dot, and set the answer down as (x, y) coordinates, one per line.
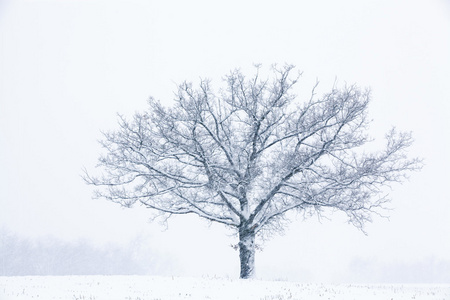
(67, 68)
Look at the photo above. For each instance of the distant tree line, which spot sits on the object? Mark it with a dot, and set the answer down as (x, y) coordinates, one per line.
(428, 270)
(50, 256)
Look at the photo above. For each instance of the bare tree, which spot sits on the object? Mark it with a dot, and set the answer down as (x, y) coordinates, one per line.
(248, 155)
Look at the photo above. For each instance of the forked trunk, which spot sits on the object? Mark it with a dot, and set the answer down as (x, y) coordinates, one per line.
(247, 253)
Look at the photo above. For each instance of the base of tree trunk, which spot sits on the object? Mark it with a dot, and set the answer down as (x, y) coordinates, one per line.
(247, 254)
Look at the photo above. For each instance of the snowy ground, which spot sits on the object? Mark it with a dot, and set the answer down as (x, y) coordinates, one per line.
(159, 288)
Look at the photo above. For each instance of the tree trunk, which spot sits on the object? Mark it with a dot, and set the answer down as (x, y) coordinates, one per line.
(247, 253)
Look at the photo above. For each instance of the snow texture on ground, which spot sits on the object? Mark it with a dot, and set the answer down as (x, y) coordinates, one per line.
(162, 288)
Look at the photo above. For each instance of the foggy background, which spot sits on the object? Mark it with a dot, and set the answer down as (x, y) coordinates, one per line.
(67, 67)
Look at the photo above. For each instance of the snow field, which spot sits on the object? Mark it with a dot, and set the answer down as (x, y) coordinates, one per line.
(162, 288)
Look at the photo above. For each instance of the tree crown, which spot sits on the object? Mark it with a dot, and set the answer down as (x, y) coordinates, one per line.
(251, 153)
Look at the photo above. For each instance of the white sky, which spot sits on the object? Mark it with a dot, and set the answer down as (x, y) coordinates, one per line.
(67, 67)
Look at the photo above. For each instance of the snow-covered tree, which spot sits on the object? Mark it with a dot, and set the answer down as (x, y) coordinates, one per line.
(249, 154)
